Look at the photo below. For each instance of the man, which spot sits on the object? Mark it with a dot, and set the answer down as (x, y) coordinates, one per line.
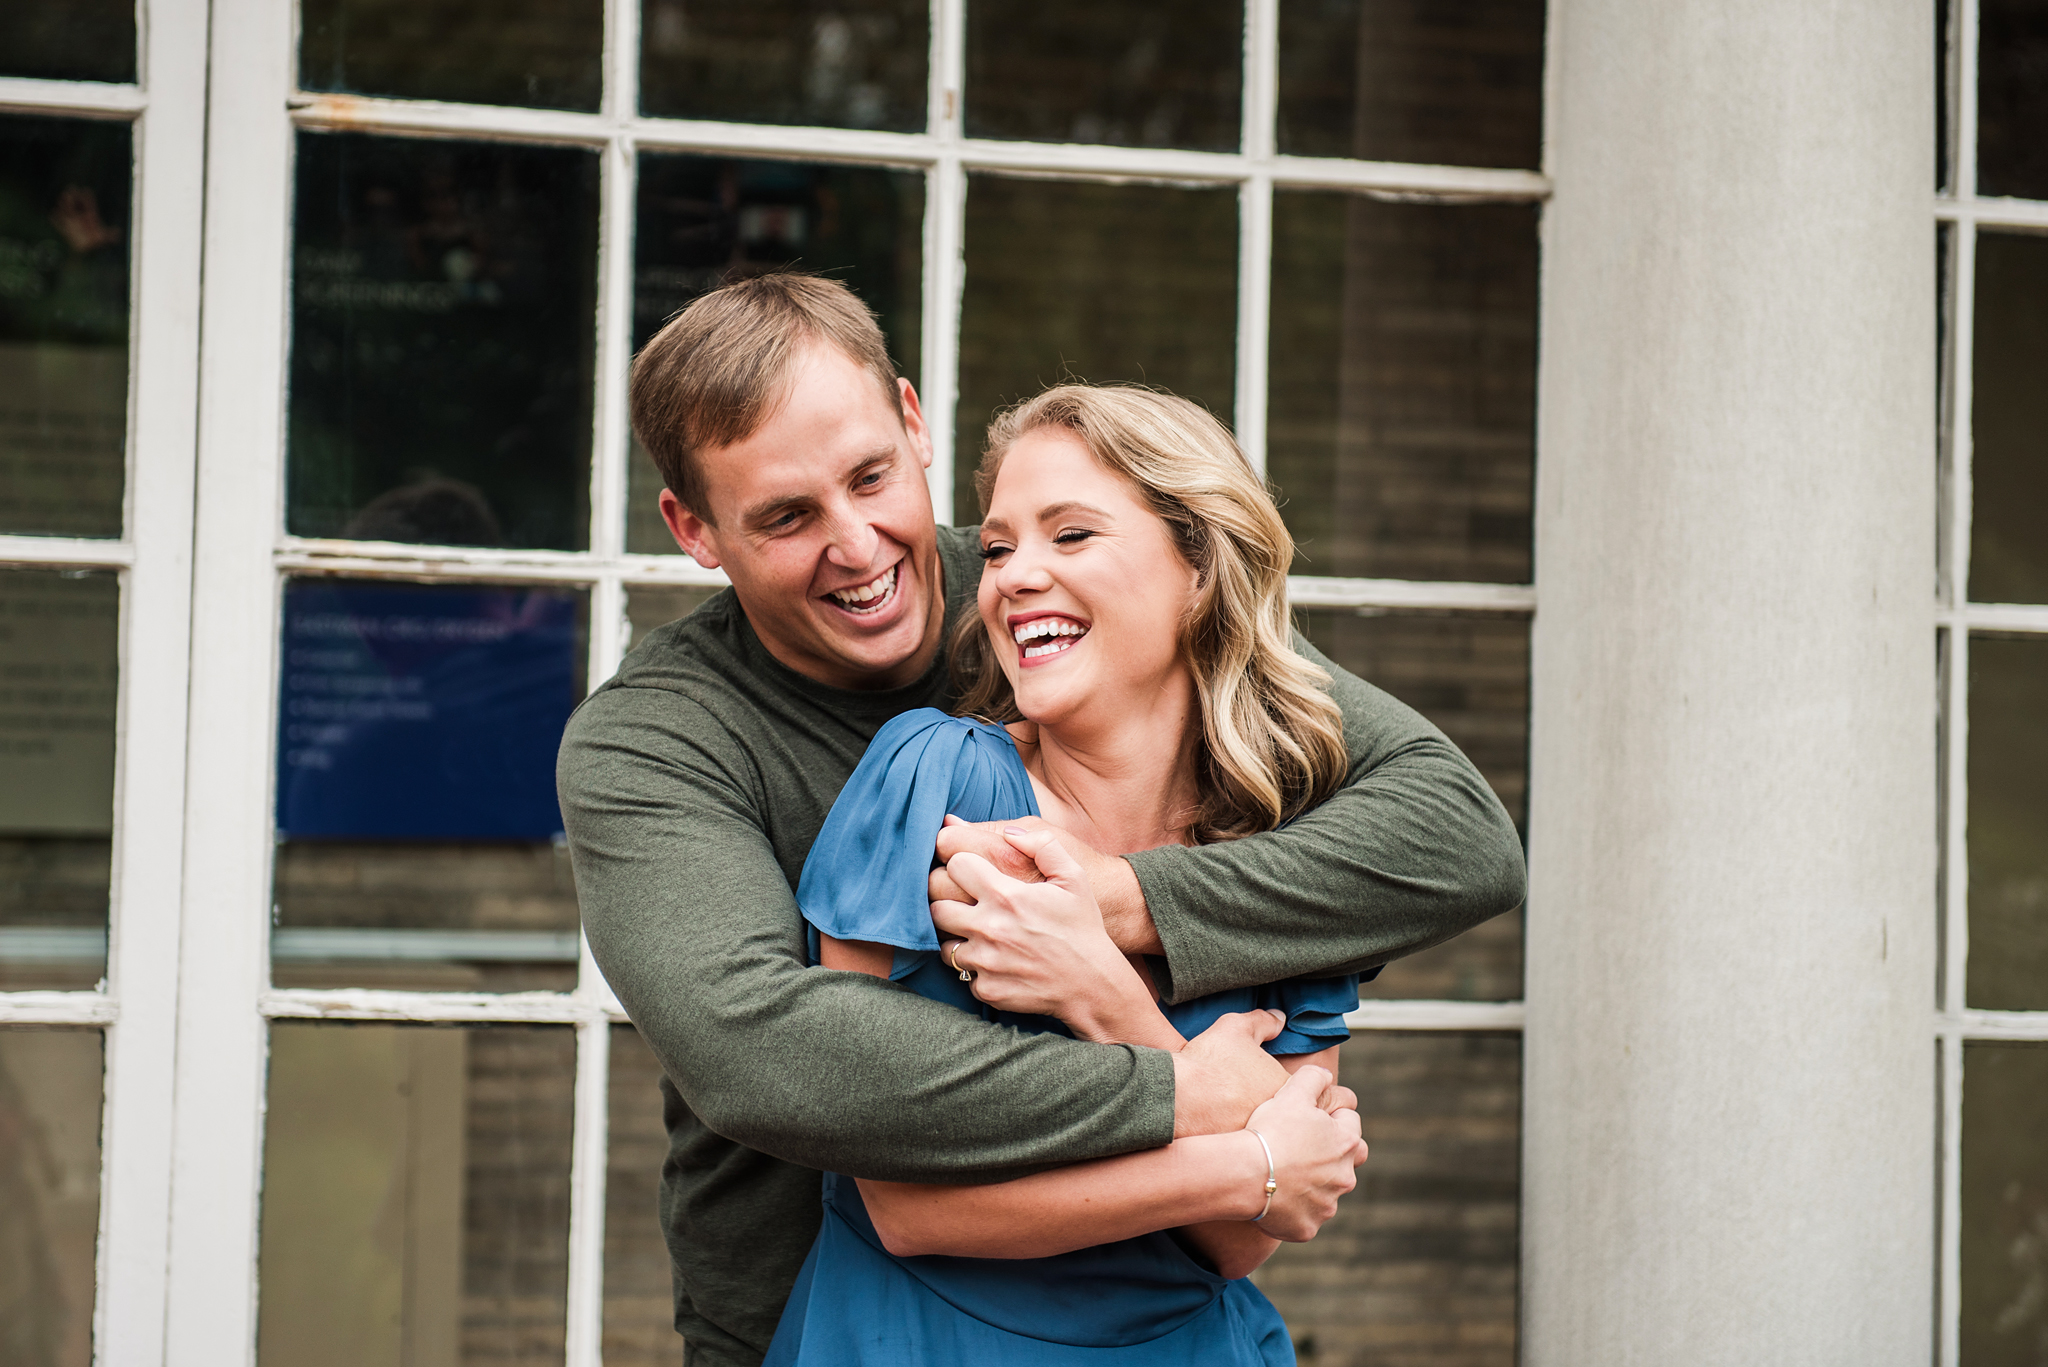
(694, 782)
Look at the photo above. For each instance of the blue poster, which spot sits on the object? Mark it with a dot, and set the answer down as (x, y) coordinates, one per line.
(417, 712)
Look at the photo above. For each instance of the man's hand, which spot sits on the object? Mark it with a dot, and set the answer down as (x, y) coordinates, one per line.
(1117, 894)
(1223, 1074)
(1314, 1154)
(1039, 947)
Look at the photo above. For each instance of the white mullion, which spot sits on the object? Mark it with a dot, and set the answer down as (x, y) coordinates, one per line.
(2027, 215)
(383, 1004)
(1955, 571)
(945, 227)
(1955, 949)
(216, 1128)
(1435, 1015)
(1964, 168)
(25, 95)
(614, 325)
(56, 1008)
(1949, 1277)
(1255, 223)
(67, 552)
(2025, 1026)
(1306, 591)
(2005, 617)
(586, 1193)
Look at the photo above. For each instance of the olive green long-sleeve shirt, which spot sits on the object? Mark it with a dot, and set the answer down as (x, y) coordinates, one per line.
(692, 785)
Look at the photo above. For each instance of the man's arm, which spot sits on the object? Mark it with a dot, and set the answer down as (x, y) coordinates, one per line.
(695, 926)
(1412, 850)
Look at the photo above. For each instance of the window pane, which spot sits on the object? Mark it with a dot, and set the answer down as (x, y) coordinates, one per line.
(68, 40)
(49, 1193)
(651, 605)
(639, 1307)
(2008, 812)
(2012, 98)
(442, 341)
(1095, 282)
(1419, 1265)
(836, 63)
(1452, 84)
(419, 841)
(2009, 422)
(704, 221)
(1133, 75)
(1402, 422)
(416, 1195)
(59, 666)
(531, 52)
(1470, 676)
(2005, 1204)
(64, 199)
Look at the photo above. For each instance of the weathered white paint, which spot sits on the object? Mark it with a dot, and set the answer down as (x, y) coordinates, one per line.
(1729, 1130)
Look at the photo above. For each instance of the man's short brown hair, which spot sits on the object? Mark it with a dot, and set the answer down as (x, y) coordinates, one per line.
(721, 367)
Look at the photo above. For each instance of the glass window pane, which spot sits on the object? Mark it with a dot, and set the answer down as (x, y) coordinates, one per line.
(1419, 1265)
(419, 844)
(1470, 676)
(2012, 98)
(1401, 427)
(49, 1193)
(64, 245)
(1132, 75)
(416, 1195)
(531, 52)
(2008, 812)
(651, 605)
(2009, 422)
(442, 341)
(1450, 84)
(2004, 1315)
(59, 667)
(68, 40)
(704, 221)
(1096, 282)
(639, 1308)
(834, 63)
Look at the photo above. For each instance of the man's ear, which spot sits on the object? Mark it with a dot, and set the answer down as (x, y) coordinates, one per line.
(690, 531)
(913, 423)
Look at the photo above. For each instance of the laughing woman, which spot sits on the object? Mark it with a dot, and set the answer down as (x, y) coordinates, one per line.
(1132, 647)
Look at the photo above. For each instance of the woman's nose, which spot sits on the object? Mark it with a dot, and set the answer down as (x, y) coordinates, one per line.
(1022, 572)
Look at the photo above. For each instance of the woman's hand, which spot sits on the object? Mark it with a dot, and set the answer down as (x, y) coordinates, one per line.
(1314, 1154)
(1040, 948)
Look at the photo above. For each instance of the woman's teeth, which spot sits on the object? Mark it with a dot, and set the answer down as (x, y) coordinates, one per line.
(868, 597)
(1054, 633)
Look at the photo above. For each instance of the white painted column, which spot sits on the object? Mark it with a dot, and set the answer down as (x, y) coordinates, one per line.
(1730, 1062)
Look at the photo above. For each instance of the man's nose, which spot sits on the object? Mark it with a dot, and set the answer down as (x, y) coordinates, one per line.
(852, 542)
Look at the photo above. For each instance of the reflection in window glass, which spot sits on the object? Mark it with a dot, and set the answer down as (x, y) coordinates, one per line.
(64, 229)
(2008, 814)
(1132, 75)
(68, 40)
(442, 341)
(49, 1193)
(1094, 282)
(2009, 422)
(834, 63)
(59, 662)
(639, 1307)
(651, 605)
(2003, 1313)
(532, 52)
(1401, 428)
(1448, 84)
(416, 1195)
(1419, 1265)
(2012, 98)
(1470, 676)
(419, 841)
(705, 221)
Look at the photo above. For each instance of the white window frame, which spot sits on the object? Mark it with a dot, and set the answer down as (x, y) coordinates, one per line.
(188, 1001)
(1964, 211)
(136, 1003)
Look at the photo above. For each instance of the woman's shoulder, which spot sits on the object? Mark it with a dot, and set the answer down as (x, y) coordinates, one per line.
(922, 728)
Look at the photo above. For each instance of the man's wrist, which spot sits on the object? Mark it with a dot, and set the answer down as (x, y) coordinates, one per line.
(1121, 899)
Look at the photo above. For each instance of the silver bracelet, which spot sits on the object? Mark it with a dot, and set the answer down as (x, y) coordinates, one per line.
(1271, 1184)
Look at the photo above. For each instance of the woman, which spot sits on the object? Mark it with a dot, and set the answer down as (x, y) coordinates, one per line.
(1132, 623)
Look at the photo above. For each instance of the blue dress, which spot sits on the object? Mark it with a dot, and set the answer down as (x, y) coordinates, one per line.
(1141, 1301)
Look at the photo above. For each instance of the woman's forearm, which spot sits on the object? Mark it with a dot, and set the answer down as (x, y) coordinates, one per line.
(1191, 1181)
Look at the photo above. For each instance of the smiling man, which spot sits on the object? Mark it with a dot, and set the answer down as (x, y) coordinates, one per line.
(694, 782)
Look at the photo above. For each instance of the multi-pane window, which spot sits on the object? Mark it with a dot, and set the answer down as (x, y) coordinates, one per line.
(437, 231)
(1993, 993)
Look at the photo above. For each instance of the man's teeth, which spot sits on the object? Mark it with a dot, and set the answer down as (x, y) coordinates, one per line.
(1062, 634)
(868, 593)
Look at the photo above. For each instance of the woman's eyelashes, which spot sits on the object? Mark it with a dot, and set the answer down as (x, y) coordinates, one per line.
(1073, 537)
(993, 552)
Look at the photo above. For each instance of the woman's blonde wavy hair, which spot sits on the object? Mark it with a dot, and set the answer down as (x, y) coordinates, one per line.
(1272, 740)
